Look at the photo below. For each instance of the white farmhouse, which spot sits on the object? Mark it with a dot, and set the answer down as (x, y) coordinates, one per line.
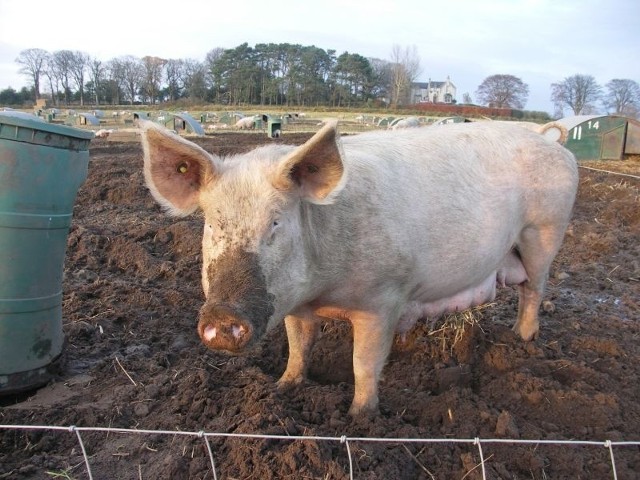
(433, 92)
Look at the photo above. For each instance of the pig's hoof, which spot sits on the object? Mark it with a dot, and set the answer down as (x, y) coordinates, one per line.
(363, 411)
(526, 333)
(289, 383)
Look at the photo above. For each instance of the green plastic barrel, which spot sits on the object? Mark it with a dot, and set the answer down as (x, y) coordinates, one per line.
(42, 165)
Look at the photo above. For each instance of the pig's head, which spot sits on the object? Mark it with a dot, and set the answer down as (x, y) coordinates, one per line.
(255, 246)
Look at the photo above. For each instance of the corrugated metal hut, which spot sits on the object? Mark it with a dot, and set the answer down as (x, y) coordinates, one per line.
(141, 115)
(598, 137)
(185, 122)
(385, 121)
(229, 118)
(180, 122)
(448, 120)
(87, 119)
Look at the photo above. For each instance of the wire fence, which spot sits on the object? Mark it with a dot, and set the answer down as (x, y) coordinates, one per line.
(609, 172)
(344, 440)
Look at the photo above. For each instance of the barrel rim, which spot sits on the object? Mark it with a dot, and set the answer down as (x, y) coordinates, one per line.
(26, 120)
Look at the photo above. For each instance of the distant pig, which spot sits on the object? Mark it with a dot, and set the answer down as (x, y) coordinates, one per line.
(246, 123)
(379, 229)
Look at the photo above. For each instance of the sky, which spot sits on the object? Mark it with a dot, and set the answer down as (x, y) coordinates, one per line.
(539, 41)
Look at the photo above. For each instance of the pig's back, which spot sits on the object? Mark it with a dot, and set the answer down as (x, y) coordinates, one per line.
(449, 202)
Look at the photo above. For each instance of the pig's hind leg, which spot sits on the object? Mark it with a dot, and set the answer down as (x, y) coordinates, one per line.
(537, 246)
(302, 332)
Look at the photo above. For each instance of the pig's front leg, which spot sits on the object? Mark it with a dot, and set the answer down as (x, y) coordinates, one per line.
(372, 340)
(302, 332)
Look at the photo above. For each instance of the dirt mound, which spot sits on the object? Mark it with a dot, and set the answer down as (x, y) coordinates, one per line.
(133, 360)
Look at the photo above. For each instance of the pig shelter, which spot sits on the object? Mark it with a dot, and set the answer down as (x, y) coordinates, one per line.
(596, 137)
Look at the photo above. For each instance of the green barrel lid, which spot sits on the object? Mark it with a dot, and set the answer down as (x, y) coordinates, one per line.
(25, 127)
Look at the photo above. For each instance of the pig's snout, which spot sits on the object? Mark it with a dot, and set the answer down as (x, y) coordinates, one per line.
(221, 328)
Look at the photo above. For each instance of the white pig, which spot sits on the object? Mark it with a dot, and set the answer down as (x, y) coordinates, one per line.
(379, 229)
(246, 123)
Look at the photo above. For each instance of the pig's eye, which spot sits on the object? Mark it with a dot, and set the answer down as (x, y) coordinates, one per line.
(272, 233)
(208, 230)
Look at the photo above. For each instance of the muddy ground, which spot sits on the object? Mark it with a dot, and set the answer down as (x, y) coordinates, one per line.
(133, 360)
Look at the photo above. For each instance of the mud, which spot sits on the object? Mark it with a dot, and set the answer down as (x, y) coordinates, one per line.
(133, 359)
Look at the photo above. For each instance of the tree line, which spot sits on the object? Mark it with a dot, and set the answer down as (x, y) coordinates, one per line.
(284, 74)
(266, 74)
(578, 93)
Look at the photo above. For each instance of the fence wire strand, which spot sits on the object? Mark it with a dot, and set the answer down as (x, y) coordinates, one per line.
(344, 439)
(477, 442)
(213, 463)
(613, 461)
(609, 172)
(72, 428)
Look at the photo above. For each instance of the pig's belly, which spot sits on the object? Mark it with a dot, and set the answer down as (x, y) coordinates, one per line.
(510, 272)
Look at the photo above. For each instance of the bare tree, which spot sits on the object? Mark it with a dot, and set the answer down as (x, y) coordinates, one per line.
(503, 91)
(466, 98)
(115, 83)
(78, 67)
(578, 92)
(153, 68)
(175, 73)
(405, 67)
(62, 62)
(129, 74)
(195, 79)
(382, 77)
(623, 96)
(51, 72)
(33, 61)
(210, 61)
(97, 73)
(115, 80)
(213, 56)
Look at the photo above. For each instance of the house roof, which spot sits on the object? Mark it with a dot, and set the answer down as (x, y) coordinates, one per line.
(425, 85)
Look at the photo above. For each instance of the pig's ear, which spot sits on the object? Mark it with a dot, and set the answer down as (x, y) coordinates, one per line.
(314, 169)
(175, 169)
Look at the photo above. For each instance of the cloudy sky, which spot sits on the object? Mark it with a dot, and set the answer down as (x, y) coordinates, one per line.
(539, 41)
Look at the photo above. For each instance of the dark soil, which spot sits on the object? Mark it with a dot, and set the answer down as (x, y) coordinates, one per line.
(133, 360)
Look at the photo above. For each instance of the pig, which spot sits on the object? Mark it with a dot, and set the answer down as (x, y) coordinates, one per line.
(380, 229)
(246, 123)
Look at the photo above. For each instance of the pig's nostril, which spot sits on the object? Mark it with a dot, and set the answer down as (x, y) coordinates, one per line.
(230, 337)
(209, 333)
(238, 331)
